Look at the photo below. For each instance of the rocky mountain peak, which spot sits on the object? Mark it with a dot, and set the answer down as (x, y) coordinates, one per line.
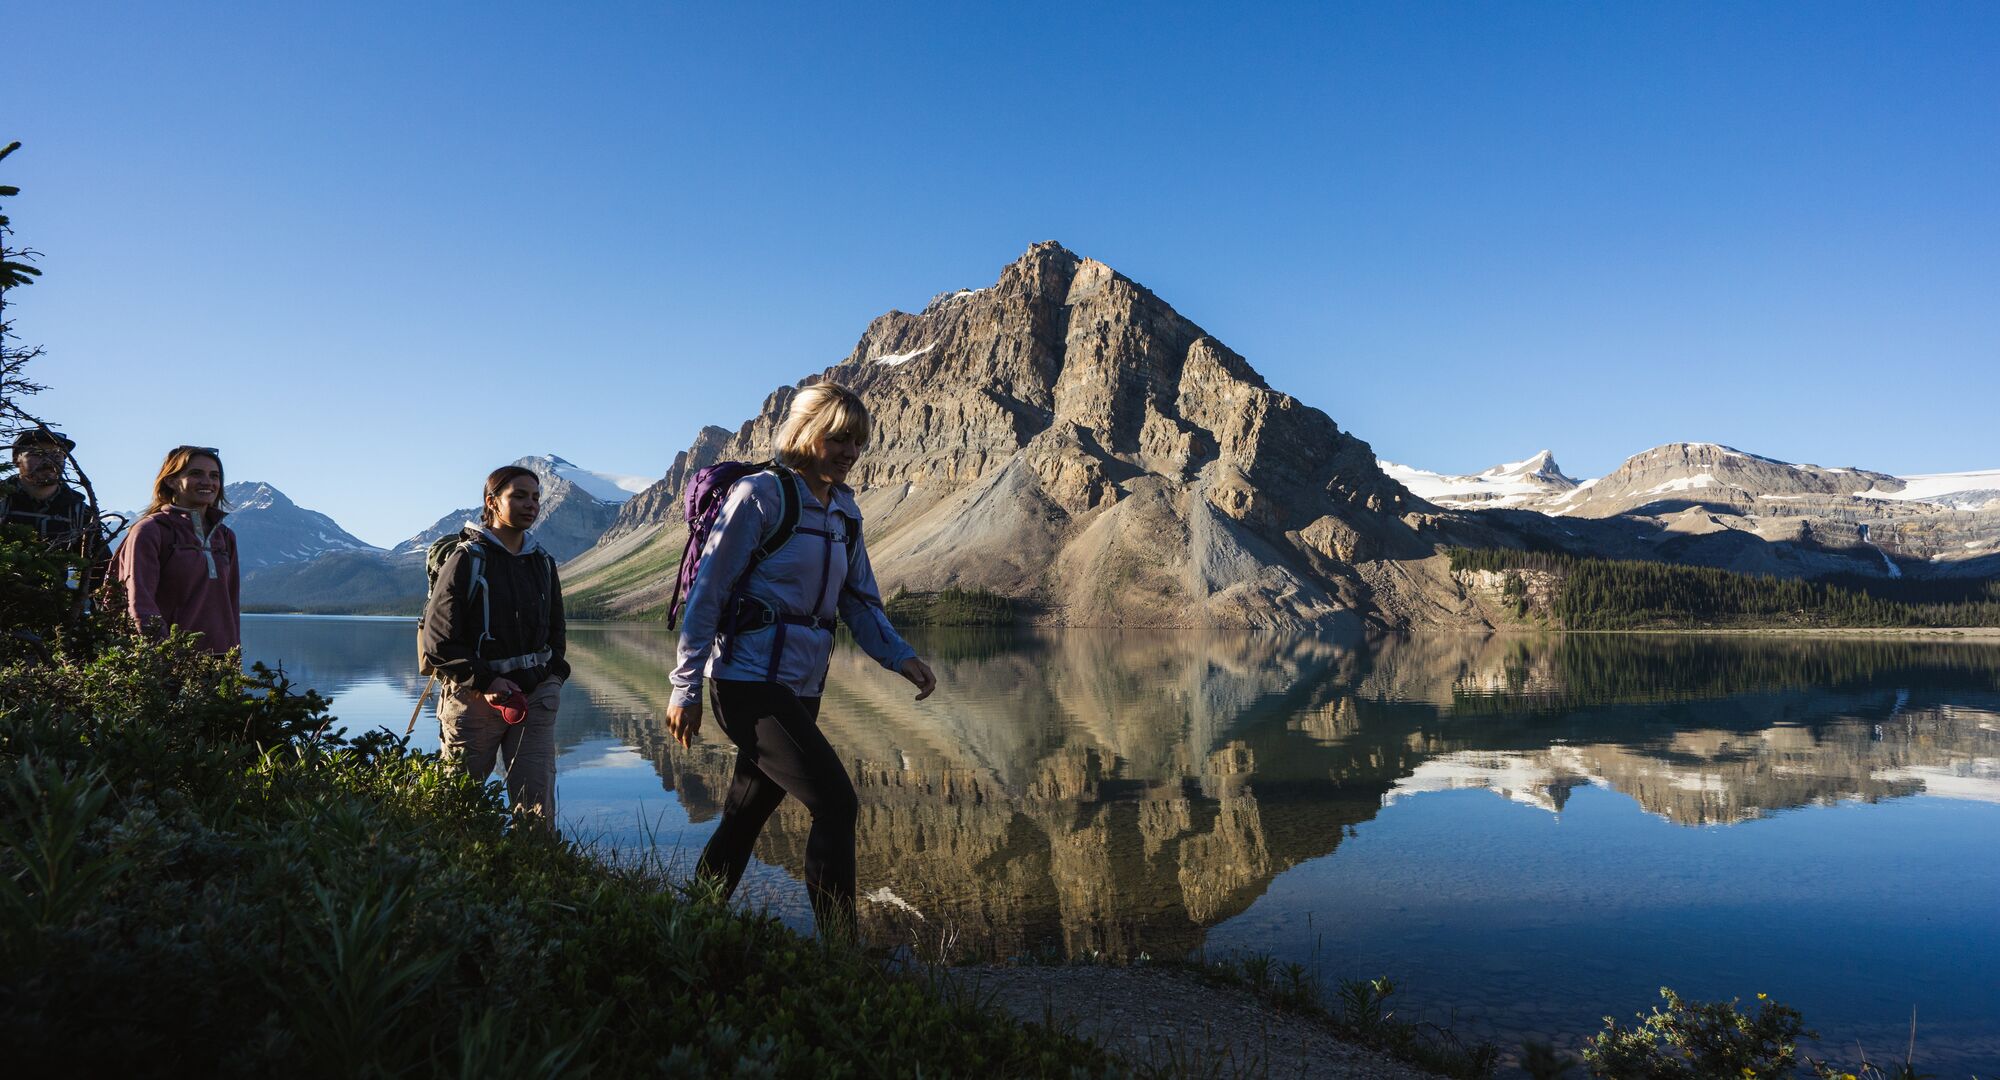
(271, 529)
(254, 495)
(1067, 413)
(556, 487)
(1063, 351)
(573, 517)
(602, 486)
(660, 502)
(1542, 466)
(1514, 484)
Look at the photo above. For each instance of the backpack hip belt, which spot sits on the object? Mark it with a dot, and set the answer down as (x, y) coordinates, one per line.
(520, 663)
(748, 613)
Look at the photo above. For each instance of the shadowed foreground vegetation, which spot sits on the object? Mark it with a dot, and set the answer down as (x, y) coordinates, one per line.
(195, 879)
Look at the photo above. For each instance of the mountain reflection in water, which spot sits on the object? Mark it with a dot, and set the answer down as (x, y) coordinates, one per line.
(1121, 791)
(1526, 833)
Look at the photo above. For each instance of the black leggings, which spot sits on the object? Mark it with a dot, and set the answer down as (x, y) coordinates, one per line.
(780, 751)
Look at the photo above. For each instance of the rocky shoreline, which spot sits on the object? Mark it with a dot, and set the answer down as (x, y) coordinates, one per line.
(1164, 1019)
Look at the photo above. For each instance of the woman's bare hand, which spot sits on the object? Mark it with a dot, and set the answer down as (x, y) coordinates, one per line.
(919, 674)
(684, 722)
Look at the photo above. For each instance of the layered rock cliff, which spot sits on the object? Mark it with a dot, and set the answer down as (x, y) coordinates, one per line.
(1065, 438)
(1679, 474)
(660, 503)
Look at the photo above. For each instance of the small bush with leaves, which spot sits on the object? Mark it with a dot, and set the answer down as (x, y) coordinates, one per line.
(1700, 1040)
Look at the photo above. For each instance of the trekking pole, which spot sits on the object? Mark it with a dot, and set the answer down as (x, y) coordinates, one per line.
(421, 698)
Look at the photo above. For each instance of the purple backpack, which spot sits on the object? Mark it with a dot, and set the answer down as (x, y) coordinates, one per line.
(702, 504)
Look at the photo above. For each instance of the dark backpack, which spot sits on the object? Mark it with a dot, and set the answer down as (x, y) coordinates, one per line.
(434, 559)
(702, 503)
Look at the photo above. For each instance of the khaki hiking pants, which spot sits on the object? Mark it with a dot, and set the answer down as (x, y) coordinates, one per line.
(471, 731)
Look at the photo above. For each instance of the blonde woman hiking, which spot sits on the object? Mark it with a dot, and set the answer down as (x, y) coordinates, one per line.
(776, 561)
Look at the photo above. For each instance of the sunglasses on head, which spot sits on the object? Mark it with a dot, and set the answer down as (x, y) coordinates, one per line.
(209, 450)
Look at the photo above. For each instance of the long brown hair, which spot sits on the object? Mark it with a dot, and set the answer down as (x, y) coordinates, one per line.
(496, 482)
(178, 459)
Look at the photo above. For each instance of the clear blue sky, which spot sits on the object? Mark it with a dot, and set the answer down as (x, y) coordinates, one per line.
(373, 250)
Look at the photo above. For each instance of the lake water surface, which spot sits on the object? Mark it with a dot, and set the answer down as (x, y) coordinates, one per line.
(1525, 834)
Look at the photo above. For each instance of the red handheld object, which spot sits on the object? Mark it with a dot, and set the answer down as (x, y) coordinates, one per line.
(513, 708)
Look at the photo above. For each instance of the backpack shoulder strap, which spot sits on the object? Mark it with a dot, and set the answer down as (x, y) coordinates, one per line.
(790, 498)
(475, 552)
(853, 553)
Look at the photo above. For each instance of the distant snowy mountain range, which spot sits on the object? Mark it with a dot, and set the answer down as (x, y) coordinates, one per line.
(1681, 469)
(1717, 496)
(1704, 494)
(1517, 483)
(296, 559)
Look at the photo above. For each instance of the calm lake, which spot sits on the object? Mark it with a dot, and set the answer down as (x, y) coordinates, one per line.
(1525, 834)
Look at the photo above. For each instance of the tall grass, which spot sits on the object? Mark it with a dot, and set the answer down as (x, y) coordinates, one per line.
(192, 881)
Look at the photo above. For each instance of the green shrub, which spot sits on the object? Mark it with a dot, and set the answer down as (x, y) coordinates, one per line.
(1711, 1040)
(1700, 1040)
(195, 878)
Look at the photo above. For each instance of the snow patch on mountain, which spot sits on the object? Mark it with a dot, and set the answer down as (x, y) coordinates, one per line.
(897, 359)
(602, 486)
(1960, 491)
(1516, 483)
(271, 529)
(1685, 483)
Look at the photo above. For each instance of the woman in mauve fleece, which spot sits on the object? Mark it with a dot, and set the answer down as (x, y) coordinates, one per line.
(178, 566)
(774, 618)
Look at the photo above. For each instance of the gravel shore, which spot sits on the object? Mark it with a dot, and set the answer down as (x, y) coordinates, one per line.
(1174, 1021)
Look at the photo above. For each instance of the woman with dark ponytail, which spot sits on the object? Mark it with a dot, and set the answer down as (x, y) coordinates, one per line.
(493, 631)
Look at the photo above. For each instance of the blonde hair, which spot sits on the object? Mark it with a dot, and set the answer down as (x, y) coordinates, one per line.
(178, 459)
(820, 410)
